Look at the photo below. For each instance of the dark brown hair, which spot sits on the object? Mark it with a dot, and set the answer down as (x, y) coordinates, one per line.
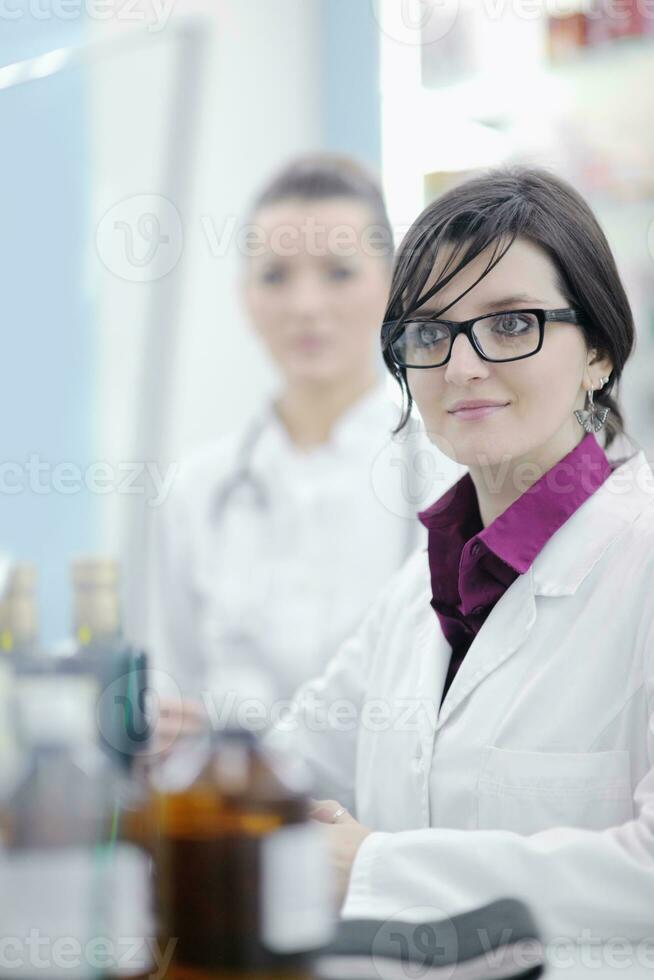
(492, 210)
(321, 176)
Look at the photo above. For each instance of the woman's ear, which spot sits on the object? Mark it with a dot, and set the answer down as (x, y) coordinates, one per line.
(599, 365)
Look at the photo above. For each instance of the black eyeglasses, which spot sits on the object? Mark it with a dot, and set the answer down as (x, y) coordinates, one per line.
(426, 341)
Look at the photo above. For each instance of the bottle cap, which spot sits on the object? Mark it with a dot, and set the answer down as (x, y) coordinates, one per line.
(91, 571)
(18, 619)
(96, 601)
(22, 578)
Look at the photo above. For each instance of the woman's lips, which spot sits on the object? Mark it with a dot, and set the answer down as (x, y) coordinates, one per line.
(309, 345)
(470, 414)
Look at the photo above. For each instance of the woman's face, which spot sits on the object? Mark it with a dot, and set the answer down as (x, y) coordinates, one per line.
(538, 395)
(317, 293)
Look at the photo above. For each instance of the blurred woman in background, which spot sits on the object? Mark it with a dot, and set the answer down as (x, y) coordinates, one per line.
(277, 538)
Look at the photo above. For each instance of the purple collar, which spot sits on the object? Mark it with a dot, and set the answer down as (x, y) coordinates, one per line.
(456, 535)
(471, 566)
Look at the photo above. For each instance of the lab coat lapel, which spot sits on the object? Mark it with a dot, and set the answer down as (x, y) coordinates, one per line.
(504, 632)
(431, 652)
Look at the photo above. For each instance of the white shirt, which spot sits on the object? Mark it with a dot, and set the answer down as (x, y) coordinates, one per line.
(535, 779)
(273, 571)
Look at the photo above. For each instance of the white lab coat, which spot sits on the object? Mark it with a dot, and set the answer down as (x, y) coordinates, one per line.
(536, 778)
(244, 589)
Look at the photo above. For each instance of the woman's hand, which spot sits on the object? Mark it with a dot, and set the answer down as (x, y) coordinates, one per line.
(345, 836)
(174, 718)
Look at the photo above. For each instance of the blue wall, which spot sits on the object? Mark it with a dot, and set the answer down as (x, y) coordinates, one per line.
(48, 348)
(351, 108)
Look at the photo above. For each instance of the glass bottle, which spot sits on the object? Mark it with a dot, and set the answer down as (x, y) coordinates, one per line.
(18, 647)
(242, 871)
(58, 827)
(120, 675)
(70, 883)
(101, 648)
(18, 613)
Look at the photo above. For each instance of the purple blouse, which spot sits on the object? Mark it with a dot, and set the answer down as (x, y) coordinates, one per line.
(471, 566)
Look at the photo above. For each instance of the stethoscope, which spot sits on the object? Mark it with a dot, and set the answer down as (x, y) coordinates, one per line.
(244, 477)
(239, 633)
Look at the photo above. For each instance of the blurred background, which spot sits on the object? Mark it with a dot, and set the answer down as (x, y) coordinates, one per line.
(134, 136)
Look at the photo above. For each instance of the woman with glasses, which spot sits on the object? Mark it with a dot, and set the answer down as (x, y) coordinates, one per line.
(502, 685)
(276, 538)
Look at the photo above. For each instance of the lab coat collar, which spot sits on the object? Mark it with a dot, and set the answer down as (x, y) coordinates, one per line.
(364, 425)
(570, 554)
(558, 570)
(374, 414)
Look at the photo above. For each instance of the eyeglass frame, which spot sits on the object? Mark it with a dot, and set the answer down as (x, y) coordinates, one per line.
(455, 328)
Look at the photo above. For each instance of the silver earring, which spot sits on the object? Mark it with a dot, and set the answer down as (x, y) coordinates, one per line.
(592, 419)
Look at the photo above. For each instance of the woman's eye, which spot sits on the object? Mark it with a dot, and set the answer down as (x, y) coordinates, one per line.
(340, 273)
(512, 323)
(272, 276)
(429, 335)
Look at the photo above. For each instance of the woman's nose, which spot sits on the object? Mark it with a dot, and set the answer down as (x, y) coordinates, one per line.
(464, 364)
(305, 297)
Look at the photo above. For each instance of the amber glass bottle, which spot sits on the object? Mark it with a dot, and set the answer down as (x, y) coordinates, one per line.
(242, 872)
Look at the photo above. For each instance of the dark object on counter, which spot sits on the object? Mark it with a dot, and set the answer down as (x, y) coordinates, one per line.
(496, 942)
(242, 871)
(120, 671)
